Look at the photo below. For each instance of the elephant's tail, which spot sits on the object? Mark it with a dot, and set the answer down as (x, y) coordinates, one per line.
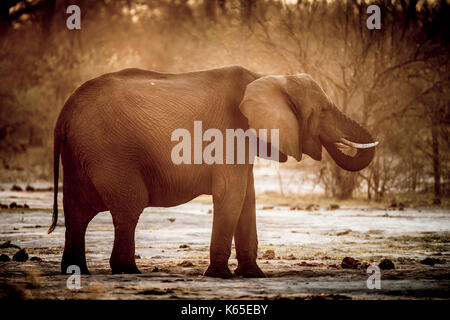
(56, 154)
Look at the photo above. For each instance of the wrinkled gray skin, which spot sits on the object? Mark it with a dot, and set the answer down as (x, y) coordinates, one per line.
(114, 138)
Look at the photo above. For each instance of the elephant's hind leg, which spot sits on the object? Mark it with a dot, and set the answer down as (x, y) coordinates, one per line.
(77, 214)
(125, 194)
(122, 257)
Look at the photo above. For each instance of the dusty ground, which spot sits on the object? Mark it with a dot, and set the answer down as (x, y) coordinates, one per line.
(309, 246)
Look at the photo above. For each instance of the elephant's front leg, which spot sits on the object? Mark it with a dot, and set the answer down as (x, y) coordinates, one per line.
(245, 236)
(228, 189)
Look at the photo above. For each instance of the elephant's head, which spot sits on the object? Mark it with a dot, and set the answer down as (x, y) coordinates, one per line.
(307, 119)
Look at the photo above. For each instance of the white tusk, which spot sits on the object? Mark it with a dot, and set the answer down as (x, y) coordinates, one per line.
(358, 145)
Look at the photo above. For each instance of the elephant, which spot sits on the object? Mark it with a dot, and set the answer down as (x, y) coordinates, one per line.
(113, 136)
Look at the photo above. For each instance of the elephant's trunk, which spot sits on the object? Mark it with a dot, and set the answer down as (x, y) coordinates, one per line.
(353, 135)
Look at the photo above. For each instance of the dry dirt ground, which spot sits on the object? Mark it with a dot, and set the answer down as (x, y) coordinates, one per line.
(172, 253)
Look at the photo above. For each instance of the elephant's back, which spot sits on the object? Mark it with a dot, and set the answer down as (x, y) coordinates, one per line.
(133, 112)
(127, 116)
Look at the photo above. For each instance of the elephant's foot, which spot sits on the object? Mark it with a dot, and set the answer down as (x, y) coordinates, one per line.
(218, 271)
(249, 270)
(125, 268)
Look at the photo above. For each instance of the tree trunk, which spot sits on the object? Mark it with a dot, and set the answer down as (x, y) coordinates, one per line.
(369, 190)
(210, 10)
(343, 183)
(247, 7)
(5, 23)
(436, 165)
(222, 6)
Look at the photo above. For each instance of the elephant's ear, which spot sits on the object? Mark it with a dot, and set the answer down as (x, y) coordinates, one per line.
(267, 106)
